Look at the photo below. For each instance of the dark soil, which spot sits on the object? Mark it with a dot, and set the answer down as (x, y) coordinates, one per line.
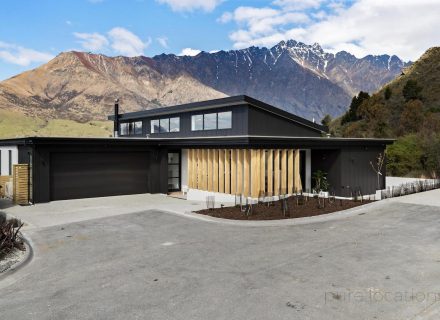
(263, 211)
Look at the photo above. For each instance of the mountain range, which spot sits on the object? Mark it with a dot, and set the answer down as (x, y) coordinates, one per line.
(300, 78)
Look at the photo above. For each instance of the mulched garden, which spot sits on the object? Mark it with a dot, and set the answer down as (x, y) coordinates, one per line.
(295, 207)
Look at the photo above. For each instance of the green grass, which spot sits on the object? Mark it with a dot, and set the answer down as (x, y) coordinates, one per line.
(14, 125)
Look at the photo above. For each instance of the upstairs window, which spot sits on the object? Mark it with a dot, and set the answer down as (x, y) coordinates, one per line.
(130, 128)
(138, 128)
(123, 129)
(210, 121)
(175, 124)
(225, 120)
(165, 125)
(154, 126)
(197, 122)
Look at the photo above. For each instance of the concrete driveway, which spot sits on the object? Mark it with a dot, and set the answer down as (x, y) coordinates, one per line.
(382, 263)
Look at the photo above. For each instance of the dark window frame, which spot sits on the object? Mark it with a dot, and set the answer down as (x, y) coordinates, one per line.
(158, 120)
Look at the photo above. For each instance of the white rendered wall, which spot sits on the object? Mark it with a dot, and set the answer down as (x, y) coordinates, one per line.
(5, 159)
(184, 169)
(220, 198)
(308, 170)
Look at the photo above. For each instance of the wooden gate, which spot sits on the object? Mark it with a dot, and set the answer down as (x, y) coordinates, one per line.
(21, 184)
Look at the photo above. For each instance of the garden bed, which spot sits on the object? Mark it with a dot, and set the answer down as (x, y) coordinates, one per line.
(262, 211)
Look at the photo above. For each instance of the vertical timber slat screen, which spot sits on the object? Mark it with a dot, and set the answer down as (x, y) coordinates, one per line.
(250, 172)
(21, 184)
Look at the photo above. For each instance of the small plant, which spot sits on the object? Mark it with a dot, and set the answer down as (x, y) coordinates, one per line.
(321, 183)
(10, 238)
(377, 168)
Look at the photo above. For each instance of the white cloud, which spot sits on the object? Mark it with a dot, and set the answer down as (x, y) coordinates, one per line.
(191, 5)
(127, 43)
(68, 22)
(298, 4)
(19, 55)
(406, 28)
(163, 41)
(189, 52)
(92, 41)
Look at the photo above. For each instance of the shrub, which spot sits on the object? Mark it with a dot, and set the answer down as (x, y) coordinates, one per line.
(10, 238)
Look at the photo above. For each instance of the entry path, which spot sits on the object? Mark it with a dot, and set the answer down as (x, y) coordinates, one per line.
(383, 263)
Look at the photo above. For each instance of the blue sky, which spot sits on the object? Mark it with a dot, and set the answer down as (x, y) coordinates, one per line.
(34, 31)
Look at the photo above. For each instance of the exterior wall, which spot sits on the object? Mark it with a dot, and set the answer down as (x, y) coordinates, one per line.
(5, 159)
(357, 170)
(328, 161)
(349, 168)
(263, 123)
(239, 124)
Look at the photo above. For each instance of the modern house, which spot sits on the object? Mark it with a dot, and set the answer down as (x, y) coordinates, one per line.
(229, 146)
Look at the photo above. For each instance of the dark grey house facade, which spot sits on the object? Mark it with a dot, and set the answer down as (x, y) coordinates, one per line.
(235, 145)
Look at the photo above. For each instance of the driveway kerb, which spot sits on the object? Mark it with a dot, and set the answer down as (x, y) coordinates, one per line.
(283, 222)
(7, 277)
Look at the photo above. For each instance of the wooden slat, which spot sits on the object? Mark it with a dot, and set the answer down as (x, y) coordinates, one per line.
(233, 176)
(215, 168)
(227, 171)
(199, 169)
(290, 174)
(204, 178)
(262, 155)
(190, 168)
(21, 184)
(270, 172)
(297, 183)
(221, 171)
(255, 173)
(246, 173)
(283, 172)
(276, 172)
(240, 163)
(210, 169)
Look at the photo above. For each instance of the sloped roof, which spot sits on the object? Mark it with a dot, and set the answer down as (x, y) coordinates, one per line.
(216, 103)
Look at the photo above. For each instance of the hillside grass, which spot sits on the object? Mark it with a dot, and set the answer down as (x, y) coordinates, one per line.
(14, 125)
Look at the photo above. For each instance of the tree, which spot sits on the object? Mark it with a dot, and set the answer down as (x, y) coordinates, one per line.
(411, 90)
(352, 113)
(387, 93)
(326, 120)
(412, 117)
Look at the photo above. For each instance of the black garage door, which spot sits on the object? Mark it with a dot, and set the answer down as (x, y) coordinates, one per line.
(86, 175)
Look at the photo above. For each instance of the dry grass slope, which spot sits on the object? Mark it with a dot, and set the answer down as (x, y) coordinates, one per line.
(14, 124)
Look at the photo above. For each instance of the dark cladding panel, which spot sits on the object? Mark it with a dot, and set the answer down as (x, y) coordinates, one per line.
(357, 171)
(328, 161)
(264, 123)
